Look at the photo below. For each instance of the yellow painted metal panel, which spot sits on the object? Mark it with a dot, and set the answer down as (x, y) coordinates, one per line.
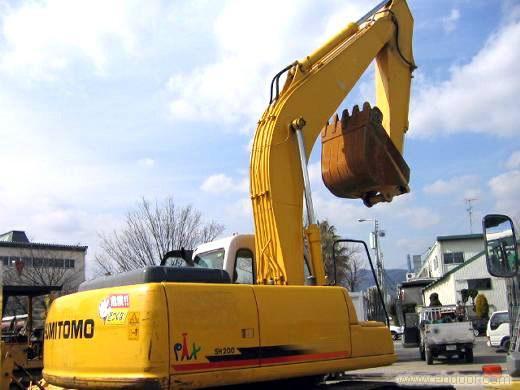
(312, 321)
(212, 327)
(371, 339)
(81, 347)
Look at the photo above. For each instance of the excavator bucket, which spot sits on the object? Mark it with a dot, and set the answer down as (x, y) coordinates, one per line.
(359, 160)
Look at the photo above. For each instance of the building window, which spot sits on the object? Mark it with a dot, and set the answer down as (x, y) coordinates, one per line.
(59, 263)
(454, 258)
(435, 263)
(479, 284)
(38, 262)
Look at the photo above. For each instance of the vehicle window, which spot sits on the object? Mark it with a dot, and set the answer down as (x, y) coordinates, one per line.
(499, 319)
(213, 259)
(244, 273)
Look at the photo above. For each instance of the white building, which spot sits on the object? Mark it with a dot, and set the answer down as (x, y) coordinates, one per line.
(34, 263)
(472, 274)
(448, 252)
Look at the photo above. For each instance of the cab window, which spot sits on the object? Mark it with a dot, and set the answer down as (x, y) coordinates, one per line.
(244, 273)
(213, 259)
(499, 319)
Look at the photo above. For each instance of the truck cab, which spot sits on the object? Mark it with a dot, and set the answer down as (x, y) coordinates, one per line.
(497, 331)
(234, 254)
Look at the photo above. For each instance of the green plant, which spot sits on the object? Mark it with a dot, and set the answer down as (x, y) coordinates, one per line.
(482, 307)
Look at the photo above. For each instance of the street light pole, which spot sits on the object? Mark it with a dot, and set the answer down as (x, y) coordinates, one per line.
(379, 259)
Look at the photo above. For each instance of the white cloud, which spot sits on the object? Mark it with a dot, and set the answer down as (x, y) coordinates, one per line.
(217, 184)
(221, 183)
(505, 188)
(513, 161)
(241, 209)
(449, 22)
(146, 162)
(420, 217)
(466, 186)
(43, 38)
(314, 170)
(413, 245)
(480, 96)
(403, 209)
(233, 89)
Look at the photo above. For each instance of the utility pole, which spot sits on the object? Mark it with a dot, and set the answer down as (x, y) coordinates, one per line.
(469, 209)
(379, 256)
(379, 263)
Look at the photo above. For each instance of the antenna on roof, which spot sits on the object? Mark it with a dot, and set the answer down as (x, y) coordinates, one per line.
(469, 209)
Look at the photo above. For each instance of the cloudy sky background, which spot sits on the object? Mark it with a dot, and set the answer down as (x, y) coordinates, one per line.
(104, 102)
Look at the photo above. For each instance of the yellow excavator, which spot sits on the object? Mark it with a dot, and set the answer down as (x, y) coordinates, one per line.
(165, 327)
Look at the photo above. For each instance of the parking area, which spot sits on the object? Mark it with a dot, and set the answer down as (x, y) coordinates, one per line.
(410, 365)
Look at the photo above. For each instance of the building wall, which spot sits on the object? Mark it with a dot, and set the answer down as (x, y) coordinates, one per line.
(470, 248)
(449, 288)
(445, 289)
(497, 296)
(68, 273)
(432, 258)
(434, 265)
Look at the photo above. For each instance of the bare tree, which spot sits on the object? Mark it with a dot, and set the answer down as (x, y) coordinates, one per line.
(39, 267)
(152, 230)
(348, 260)
(354, 276)
(36, 266)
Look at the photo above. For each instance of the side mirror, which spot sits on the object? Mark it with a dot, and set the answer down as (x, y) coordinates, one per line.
(337, 250)
(501, 246)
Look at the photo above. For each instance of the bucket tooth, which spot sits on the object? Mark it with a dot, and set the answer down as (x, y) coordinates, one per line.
(359, 160)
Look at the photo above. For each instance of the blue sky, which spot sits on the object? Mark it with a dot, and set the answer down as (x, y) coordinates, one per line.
(104, 102)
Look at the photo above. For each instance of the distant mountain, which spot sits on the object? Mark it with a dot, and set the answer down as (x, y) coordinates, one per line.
(392, 278)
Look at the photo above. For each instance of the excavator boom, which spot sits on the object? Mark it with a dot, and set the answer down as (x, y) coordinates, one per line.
(315, 87)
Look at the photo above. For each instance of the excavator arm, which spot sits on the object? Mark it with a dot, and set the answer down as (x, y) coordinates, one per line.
(315, 87)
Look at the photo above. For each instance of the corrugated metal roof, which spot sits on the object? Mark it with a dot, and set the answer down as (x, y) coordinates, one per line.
(40, 245)
(18, 239)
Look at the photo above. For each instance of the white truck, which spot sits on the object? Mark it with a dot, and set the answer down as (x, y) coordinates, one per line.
(445, 333)
(497, 332)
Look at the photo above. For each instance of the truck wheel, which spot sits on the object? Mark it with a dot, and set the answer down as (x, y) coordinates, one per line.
(428, 356)
(505, 344)
(421, 351)
(468, 356)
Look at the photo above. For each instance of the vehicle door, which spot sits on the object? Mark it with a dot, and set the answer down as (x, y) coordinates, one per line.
(498, 327)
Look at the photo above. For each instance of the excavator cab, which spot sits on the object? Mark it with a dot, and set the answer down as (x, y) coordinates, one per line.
(359, 160)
